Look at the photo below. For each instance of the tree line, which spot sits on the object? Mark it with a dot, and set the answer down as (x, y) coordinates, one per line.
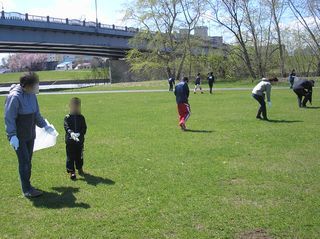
(266, 37)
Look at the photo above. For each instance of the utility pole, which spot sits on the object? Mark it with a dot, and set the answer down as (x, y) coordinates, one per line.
(2, 5)
(96, 3)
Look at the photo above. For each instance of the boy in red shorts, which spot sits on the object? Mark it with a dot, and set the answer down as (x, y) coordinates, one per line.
(182, 94)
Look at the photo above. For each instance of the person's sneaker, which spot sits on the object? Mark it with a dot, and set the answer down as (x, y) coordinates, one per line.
(81, 172)
(259, 117)
(183, 127)
(73, 176)
(33, 193)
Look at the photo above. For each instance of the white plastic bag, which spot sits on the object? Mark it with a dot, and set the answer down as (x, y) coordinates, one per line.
(44, 139)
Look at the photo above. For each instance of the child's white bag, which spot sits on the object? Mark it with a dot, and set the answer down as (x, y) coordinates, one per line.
(44, 139)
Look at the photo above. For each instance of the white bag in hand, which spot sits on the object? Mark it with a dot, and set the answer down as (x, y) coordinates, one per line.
(44, 139)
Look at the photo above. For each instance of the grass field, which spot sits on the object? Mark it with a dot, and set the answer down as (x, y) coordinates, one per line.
(235, 178)
(48, 76)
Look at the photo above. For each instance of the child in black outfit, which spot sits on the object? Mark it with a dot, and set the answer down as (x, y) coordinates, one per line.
(75, 127)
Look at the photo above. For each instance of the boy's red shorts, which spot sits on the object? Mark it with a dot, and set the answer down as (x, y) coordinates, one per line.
(184, 112)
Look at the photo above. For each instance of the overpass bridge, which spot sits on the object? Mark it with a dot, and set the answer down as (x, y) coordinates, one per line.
(39, 34)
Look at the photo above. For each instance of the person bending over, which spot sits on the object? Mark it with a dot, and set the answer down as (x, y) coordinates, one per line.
(303, 88)
(258, 93)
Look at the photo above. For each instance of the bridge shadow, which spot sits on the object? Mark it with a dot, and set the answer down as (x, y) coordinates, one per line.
(95, 180)
(63, 197)
(198, 131)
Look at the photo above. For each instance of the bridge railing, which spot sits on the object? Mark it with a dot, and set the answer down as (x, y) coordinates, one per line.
(13, 15)
(35, 18)
(66, 21)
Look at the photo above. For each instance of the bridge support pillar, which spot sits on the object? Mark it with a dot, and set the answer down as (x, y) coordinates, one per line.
(2, 14)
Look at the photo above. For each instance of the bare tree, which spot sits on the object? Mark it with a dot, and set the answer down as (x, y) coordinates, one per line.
(277, 8)
(162, 44)
(307, 12)
(229, 14)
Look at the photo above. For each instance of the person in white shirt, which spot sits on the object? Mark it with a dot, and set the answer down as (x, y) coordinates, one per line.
(258, 93)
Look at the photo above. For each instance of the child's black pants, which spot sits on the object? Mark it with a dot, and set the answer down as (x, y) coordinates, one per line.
(74, 157)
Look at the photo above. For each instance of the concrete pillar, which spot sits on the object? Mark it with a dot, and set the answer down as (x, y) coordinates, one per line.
(48, 19)
(27, 17)
(2, 14)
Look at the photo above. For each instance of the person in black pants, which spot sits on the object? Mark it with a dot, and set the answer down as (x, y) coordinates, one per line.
(171, 82)
(303, 88)
(22, 115)
(258, 93)
(211, 81)
(76, 128)
(291, 78)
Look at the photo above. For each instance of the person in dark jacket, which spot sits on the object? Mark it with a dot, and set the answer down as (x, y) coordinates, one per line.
(211, 80)
(182, 95)
(171, 82)
(197, 84)
(22, 115)
(303, 88)
(76, 128)
(291, 78)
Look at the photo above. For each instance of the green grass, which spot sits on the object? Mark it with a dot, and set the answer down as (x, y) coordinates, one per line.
(242, 176)
(48, 76)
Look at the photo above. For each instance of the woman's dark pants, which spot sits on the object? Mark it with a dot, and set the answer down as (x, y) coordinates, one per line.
(24, 154)
(262, 110)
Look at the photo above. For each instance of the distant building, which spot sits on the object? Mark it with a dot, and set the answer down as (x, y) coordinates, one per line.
(201, 31)
(64, 66)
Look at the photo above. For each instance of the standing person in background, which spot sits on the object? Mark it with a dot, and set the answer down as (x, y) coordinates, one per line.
(258, 93)
(198, 84)
(211, 80)
(22, 115)
(291, 78)
(171, 82)
(303, 88)
(182, 94)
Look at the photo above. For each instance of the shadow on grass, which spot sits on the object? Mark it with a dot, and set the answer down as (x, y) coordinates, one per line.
(285, 121)
(198, 131)
(62, 198)
(95, 180)
(312, 107)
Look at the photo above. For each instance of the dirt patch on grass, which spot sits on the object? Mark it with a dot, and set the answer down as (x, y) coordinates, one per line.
(255, 234)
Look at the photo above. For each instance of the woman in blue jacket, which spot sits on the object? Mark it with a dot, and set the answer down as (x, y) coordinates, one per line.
(21, 117)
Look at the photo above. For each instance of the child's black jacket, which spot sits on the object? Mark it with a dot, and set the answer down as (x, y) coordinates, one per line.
(76, 124)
